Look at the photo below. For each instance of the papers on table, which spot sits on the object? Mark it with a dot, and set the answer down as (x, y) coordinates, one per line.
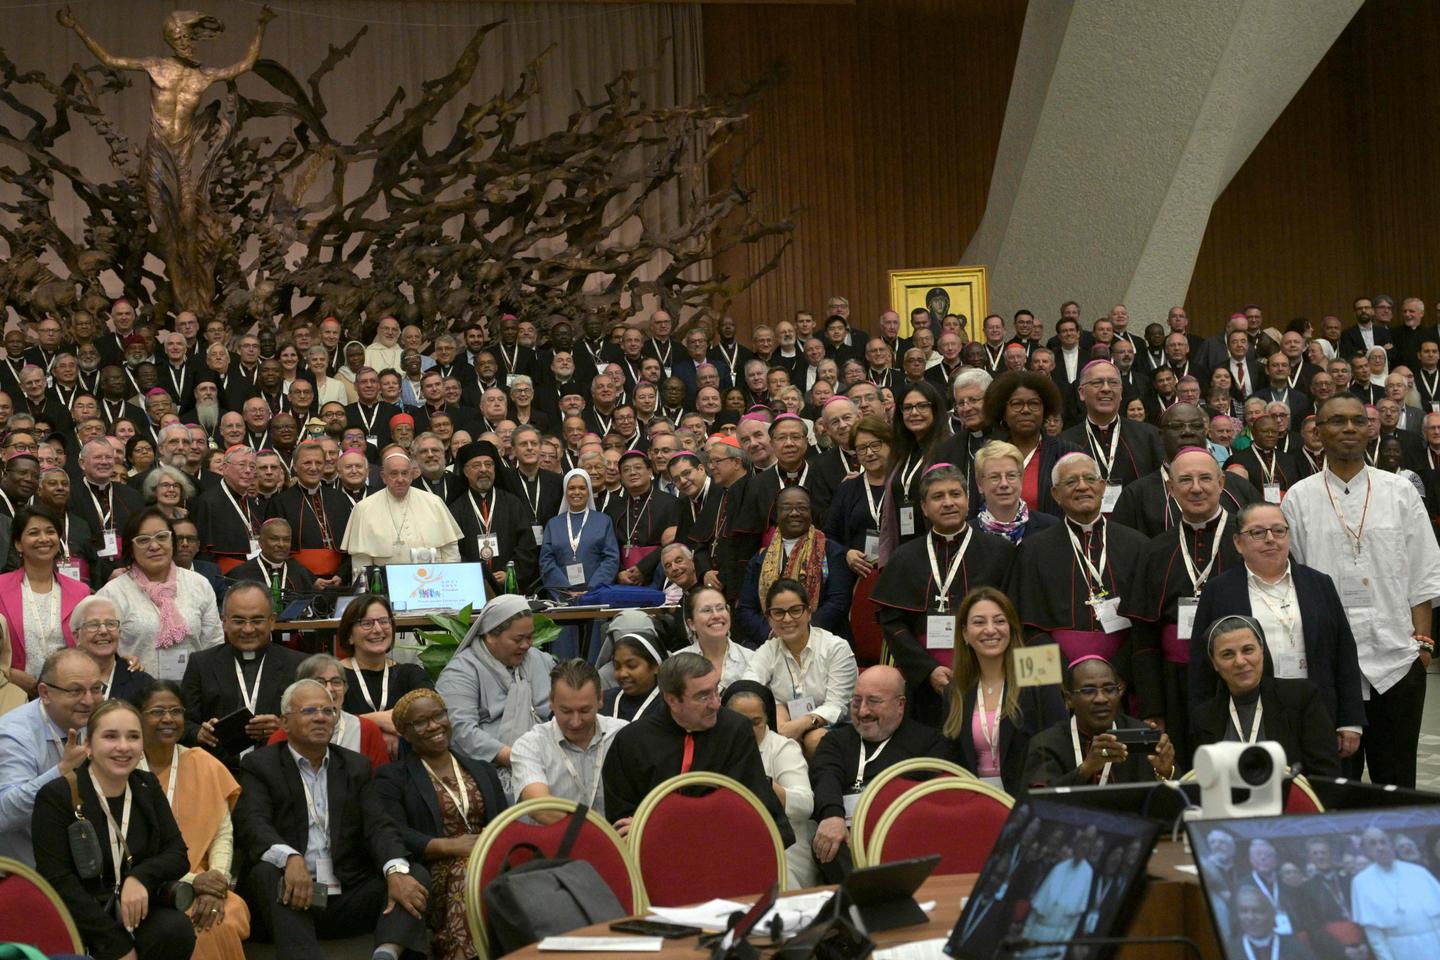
(919, 950)
(602, 944)
(795, 912)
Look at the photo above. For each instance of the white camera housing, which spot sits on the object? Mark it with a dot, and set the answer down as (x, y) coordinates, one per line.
(1240, 779)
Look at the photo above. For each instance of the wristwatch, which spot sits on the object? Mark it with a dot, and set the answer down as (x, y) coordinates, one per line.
(401, 867)
(816, 721)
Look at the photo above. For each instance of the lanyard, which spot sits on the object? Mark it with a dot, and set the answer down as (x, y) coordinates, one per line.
(484, 515)
(1090, 570)
(10, 506)
(365, 689)
(907, 473)
(664, 358)
(269, 581)
(1267, 470)
(110, 682)
(118, 831)
(1431, 384)
(1355, 534)
(106, 513)
(317, 507)
(462, 799)
(1105, 462)
(1274, 945)
(804, 475)
(991, 733)
(870, 502)
(730, 355)
(174, 769)
(865, 761)
(573, 534)
(374, 415)
(639, 711)
(595, 780)
(631, 528)
(942, 599)
(179, 384)
(1080, 757)
(243, 514)
(512, 359)
(252, 696)
(1199, 577)
(534, 501)
(1254, 733)
(322, 822)
(1287, 620)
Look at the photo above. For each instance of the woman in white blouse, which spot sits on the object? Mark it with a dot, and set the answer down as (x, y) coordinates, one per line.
(166, 612)
(707, 616)
(785, 766)
(810, 670)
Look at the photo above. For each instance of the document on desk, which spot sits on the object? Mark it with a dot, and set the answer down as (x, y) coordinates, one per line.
(919, 950)
(602, 944)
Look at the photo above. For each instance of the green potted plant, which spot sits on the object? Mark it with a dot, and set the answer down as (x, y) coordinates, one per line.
(440, 645)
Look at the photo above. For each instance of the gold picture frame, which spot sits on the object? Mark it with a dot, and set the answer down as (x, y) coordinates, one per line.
(960, 290)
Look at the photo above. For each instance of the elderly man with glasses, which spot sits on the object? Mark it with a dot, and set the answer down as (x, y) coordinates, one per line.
(43, 740)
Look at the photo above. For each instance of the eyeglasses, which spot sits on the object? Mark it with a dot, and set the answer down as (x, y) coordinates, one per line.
(707, 696)
(145, 539)
(1089, 479)
(309, 713)
(788, 613)
(1339, 421)
(434, 720)
(1102, 382)
(371, 623)
(875, 446)
(77, 691)
(240, 623)
(1258, 534)
(337, 683)
(1110, 690)
(97, 624)
(872, 702)
(919, 407)
(163, 713)
(1009, 477)
(186, 538)
(1033, 403)
(711, 610)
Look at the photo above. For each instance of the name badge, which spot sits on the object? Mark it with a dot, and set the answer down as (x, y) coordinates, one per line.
(575, 573)
(1282, 924)
(488, 544)
(71, 570)
(539, 533)
(422, 554)
(254, 549)
(800, 706)
(1356, 591)
(1185, 617)
(112, 545)
(1107, 611)
(325, 874)
(1272, 493)
(907, 521)
(372, 439)
(872, 546)
(940, 632)
(171, 662)
(851, 801)
(1111, 497)
(510, 379)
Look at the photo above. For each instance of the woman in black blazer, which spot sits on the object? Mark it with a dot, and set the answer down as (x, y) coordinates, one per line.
(439, 801)
(1251, 703)
(994, 743)
(118, 913)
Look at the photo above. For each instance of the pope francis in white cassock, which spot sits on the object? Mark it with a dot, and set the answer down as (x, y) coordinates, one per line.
(400, 524)
(1396, 902)
(1060, 901)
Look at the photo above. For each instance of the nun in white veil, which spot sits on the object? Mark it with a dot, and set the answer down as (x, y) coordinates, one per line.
(579, 551)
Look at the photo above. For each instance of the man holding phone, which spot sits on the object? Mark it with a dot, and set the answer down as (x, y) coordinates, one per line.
(232, 692)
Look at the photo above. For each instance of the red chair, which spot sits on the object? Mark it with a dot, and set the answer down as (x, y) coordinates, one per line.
(956, 818)
(864, 625)
(887, 787)
(598, 844)
(28, 903)
(691, 848)
(1301, 797)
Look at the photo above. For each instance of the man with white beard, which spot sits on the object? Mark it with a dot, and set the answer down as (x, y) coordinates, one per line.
(173, 450)
(205, 408)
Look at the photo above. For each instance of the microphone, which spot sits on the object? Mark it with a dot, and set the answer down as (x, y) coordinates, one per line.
(1010, 946)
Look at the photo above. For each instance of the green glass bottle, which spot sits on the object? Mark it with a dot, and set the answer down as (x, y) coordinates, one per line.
(275, 596)
(512, 582)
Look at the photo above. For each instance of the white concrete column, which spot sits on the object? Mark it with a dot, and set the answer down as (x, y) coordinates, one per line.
(1126, 119)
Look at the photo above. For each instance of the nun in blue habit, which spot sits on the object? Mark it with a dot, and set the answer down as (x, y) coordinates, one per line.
(578, 552)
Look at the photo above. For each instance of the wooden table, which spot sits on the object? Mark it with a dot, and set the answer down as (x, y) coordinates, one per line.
(1173, 905)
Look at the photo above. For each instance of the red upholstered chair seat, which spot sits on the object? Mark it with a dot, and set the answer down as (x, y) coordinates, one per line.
(591, 845)
(28, 915)
(1300, 799)
(699, 847)
(949, 817)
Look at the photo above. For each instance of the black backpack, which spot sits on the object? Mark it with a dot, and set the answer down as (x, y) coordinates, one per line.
(546, 896)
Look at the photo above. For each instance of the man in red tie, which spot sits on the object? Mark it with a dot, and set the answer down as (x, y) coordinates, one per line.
(692, 733)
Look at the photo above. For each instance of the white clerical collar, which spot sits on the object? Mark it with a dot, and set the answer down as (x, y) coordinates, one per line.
(1204, 523)
(1085, 527)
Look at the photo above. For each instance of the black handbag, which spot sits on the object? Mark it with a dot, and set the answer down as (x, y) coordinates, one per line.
(84, 841)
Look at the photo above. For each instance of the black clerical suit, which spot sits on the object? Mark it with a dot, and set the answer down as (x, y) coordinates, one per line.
(1264, 468)
(1159, 665)
(105, 510)
(735, 539)
(650, 751)
(373, 419)
(835, 772)
(274, 809)
(766, 484)
(295, 581)
(227, 521)
(312, 528)
(212, 690)
(640, 523)
(697, 525)
(827, 472)
(1137, 451)
(541, 498)
(907, 592)
(1147, 506)
(504, 516)
(155, 843)
(447, 486)
(1051, 760)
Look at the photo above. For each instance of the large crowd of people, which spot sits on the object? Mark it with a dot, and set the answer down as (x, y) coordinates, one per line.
(1228, 538)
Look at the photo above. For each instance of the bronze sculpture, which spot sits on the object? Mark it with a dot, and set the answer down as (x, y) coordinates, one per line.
(188, 232)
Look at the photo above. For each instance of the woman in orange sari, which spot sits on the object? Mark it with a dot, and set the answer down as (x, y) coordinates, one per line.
(202, 793)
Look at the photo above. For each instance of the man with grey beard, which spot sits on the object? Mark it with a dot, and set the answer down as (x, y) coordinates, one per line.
(205, 409)
(173, 450)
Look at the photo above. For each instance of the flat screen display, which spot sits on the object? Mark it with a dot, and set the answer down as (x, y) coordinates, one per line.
(1353, 885)
(1058, 872)
(423, 587)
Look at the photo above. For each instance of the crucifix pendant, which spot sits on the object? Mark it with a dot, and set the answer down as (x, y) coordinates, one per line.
(942, 604)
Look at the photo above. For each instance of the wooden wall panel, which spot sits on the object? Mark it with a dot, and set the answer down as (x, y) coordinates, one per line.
(884, 135)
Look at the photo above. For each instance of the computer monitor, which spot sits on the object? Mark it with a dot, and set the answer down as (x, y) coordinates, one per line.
(1338, 793)
(1058, 872)
(1353, 883)
(1158, 801)
(425, 587)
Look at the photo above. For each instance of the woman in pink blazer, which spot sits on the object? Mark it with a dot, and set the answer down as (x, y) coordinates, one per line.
(35, 600)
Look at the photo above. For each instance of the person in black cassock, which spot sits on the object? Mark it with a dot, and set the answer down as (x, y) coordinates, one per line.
(1163, 595)
(645, 518)
(920, 588)
(1083, 750)
(735, 540)
(700, 499)
(691, 733)
(494, 524)
(1125, 449)
(1146, 505)
(317, 514)
(1070, 580)
(274, 567)
(540, 491)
